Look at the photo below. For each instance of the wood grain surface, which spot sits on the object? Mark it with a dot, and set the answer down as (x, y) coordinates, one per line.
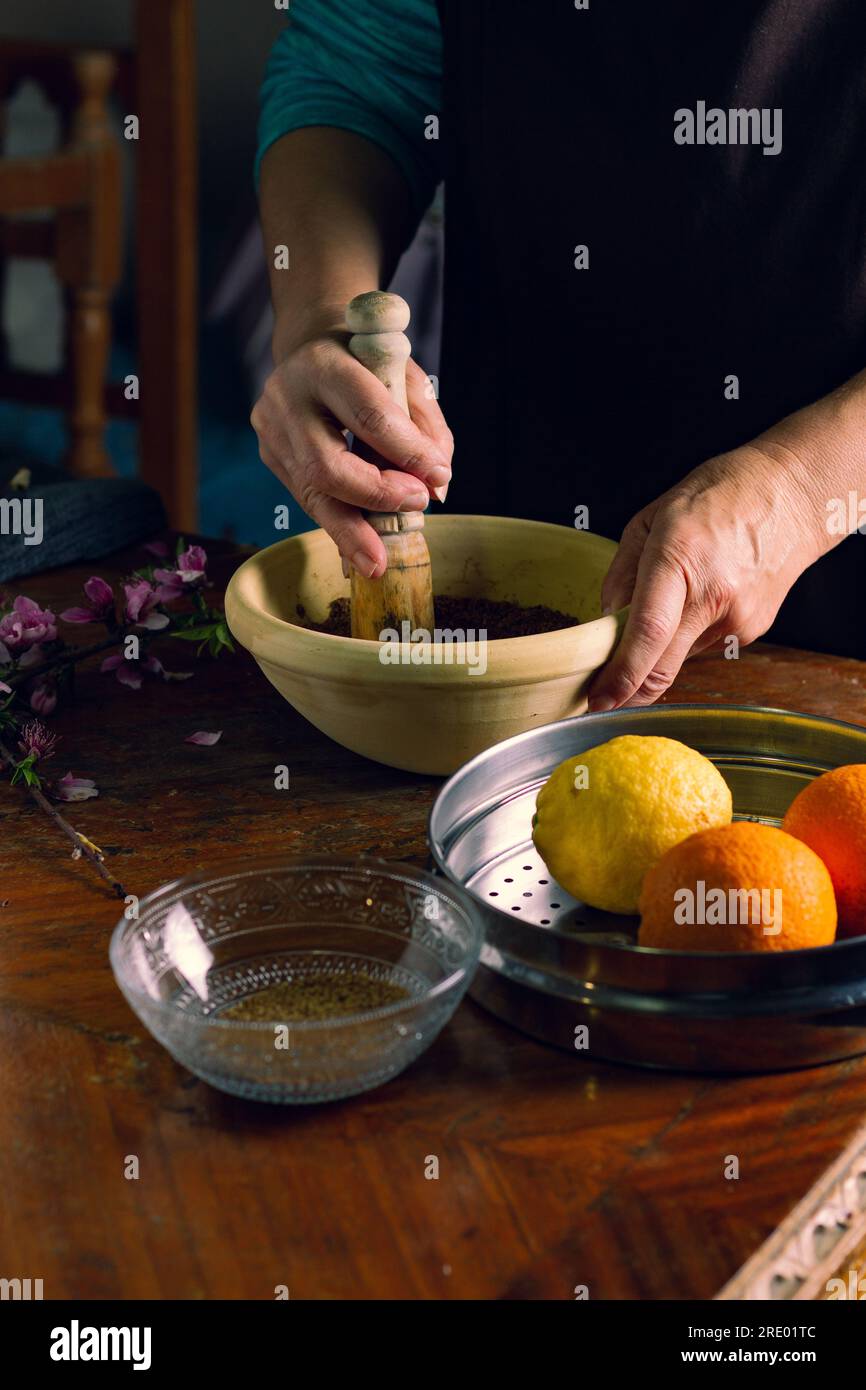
(555, 1171)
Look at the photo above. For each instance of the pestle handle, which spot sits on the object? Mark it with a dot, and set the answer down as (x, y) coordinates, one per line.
(377, 311)
(404, 593)
(385, 355)
(376, 321)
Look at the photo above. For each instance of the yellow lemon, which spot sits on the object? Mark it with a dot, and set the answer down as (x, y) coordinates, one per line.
(604, 818)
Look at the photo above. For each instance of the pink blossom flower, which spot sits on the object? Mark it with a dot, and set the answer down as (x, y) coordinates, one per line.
(25, 626)
(141, 602)
(170, 585)
(128, 672)
(192, 563)
(190, 572)
(71, 788)
(43, 696)
(204, 739)
(129, 669)
(101, 607)
(36, 741)
(7, 688)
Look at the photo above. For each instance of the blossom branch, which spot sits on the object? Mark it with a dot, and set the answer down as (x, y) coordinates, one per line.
(82, 845)
(37, 667)
(70, 657)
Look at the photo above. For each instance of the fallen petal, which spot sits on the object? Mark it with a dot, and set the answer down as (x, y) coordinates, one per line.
(205, 739)
(71, 788)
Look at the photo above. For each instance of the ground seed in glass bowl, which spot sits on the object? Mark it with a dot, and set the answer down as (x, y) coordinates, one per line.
(330, 996)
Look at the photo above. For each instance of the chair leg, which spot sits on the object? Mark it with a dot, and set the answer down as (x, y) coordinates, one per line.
(89, 341)
(88, 263)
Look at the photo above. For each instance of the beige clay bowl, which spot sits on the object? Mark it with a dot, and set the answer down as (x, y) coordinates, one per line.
(431, 718)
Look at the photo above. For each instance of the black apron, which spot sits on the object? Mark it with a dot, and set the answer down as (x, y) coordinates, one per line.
(603, 387)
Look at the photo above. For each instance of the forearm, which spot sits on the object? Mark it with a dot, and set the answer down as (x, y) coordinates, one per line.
(823, 449)
(343, 209)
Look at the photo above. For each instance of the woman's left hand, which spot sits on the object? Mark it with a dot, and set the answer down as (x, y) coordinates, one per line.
(711, 559)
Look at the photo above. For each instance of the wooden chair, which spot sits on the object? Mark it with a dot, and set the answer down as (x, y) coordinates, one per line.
(80, 185)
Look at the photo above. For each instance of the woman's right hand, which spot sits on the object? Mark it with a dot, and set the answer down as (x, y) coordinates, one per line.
(317, 393)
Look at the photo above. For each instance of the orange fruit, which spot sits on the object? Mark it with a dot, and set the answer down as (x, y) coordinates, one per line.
(829, 815)
(739, 887)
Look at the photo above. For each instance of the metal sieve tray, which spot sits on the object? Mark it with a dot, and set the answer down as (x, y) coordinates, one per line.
(551, 964)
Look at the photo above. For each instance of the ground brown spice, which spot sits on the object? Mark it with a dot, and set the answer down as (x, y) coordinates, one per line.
(496, 617)
(329, 996)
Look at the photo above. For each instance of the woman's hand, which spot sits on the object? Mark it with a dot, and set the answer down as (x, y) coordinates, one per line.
(315, 394)
(712, 558)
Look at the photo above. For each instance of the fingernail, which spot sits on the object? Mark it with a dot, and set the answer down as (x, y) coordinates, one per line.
(439, 476)
(363, 564)
(607, 610)
(440, 493)
(415, 502)
(600, 704)
(345, 563)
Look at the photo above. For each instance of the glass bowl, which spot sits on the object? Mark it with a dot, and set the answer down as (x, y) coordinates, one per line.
(200, 945)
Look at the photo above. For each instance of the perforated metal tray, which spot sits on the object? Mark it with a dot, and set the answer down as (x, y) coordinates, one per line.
(555, 967)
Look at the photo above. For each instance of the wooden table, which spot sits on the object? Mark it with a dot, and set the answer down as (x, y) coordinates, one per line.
(554, 1172)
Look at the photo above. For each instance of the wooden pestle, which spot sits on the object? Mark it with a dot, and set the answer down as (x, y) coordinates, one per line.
(405, 591)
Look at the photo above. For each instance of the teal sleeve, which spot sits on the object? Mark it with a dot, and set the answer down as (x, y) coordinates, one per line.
(369, 66)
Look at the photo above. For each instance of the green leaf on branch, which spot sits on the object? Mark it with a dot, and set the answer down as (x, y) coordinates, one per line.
(195, 634)
(214, 636)
(220, 639)
(25, 772)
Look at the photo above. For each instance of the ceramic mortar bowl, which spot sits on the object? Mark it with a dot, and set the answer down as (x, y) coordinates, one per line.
(432, 717)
